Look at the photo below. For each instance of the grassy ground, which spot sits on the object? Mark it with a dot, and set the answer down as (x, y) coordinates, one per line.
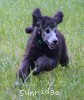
(68, 84)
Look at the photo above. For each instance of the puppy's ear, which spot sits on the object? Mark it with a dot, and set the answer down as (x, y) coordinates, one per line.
(36, 17)
(58, 17)
(29, 30)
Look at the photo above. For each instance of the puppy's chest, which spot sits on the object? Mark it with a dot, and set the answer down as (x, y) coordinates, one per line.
(44, 50)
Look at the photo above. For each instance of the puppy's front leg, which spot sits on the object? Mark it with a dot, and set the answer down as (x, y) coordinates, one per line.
(44, 64)
(24, 69)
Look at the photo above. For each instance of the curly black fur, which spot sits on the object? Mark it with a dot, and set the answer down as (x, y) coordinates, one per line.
(37, 55)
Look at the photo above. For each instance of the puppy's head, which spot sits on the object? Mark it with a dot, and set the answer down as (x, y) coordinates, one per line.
(47, 26)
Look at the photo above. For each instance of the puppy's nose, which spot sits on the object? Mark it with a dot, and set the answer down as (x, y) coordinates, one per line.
(55, 41)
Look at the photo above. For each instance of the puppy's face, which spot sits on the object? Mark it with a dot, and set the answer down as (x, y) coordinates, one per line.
(48, 27)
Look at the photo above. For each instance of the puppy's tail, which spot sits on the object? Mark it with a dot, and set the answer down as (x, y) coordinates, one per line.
(29, 30)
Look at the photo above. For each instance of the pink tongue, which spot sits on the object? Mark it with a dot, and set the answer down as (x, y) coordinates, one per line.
(52, 46)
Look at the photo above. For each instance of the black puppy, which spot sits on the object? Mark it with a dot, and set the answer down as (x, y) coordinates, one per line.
(46, 46)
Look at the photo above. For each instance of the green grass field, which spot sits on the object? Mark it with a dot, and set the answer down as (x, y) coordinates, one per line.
(67, 83)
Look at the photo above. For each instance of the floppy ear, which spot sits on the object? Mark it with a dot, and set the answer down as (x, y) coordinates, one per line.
(36, 17)
(58, 17)
(29, 30)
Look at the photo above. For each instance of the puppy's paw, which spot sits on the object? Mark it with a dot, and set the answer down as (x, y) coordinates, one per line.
(35, 71)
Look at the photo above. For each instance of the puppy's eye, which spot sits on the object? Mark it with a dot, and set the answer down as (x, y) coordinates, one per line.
(55, 30)
(47, 30)
(38, 25)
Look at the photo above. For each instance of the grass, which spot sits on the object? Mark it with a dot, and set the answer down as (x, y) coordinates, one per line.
(15, 15)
